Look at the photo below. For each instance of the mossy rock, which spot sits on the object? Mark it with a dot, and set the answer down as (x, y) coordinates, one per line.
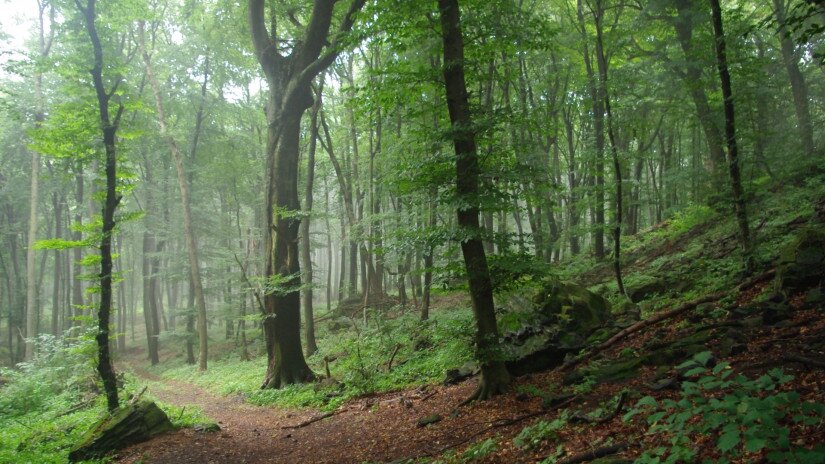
(646, 286)
(572, 308)
(626, 313)
(128, 425)
(801, 263)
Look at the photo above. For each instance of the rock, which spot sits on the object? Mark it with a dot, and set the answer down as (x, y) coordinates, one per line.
(547, 357)
(665, 384)
(647, 286)
(573, 310)
(128, 425)
(772, 313)
(815, 297)
(626, 313)
(454, 376)
(801, 263)
(427, 420)
(207, 427)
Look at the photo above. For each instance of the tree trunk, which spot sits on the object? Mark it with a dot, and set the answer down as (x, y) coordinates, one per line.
(692, 77)
(306, 245)
(601, 61)
(799, 89)
(109, 131)
(730, 133)
(494, 375)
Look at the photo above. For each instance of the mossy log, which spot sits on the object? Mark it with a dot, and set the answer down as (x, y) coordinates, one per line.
(128, 425)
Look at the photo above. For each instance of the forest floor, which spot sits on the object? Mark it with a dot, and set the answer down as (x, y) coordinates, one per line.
(384, 427)
(546, 417)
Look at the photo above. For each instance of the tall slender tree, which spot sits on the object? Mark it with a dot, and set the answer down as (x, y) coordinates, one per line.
(109, 125)
(494, 375)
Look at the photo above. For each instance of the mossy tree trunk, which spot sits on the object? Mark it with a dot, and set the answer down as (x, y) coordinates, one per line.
(109, 128)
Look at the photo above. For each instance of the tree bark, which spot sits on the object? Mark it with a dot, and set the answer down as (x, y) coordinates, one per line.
(306, 245)
(730, 133)
(494, 375)
(109, 128)
(289, 78)
(692, 76)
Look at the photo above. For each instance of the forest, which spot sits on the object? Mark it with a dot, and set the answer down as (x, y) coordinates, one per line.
(412, 231)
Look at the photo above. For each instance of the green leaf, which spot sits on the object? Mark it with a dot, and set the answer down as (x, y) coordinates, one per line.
(729, 440)
(703, 357)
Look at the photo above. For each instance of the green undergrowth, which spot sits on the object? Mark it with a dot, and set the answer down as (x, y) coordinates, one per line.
(48, 404)
(695, 251)
(359, 357)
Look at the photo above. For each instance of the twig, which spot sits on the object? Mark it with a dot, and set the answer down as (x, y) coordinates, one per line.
(76, 408)
(392, 358)
(310, 421)
(246, 279)
(181, 413)
(597, 453)
(808, 362)
(135, 398)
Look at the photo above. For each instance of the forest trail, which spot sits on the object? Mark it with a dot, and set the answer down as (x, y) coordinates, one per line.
(381, 428)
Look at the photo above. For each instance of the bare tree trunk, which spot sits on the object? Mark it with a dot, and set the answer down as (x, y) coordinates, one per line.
(494, 375)
(306, 245)
(730, 132)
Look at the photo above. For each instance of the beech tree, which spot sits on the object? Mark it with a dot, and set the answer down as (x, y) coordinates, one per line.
(289, 77)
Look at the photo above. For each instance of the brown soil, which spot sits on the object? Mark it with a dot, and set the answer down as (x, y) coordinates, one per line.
(384, 428)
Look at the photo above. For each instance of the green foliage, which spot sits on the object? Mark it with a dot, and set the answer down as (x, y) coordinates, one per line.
(46, 404)
(534, 435)
(359, 366)
(748, 415)
(479, 450)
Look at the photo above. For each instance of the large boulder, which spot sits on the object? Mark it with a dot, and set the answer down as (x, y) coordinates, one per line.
(570, 317)
(801, 264)
(573, 311)
(128, 425)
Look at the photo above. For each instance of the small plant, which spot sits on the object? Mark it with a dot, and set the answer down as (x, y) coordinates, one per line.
(585, 386)
(479, 450)
(748, 416)
(534, 435)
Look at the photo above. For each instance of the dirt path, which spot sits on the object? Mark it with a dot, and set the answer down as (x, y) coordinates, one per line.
(376, 429)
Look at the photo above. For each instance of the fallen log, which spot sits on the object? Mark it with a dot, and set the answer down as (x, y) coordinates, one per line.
(664, 316)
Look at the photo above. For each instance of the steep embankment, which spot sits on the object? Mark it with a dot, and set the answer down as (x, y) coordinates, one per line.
(695, 378)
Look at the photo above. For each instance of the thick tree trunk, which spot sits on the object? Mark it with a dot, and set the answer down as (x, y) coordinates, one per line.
(494, 375)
